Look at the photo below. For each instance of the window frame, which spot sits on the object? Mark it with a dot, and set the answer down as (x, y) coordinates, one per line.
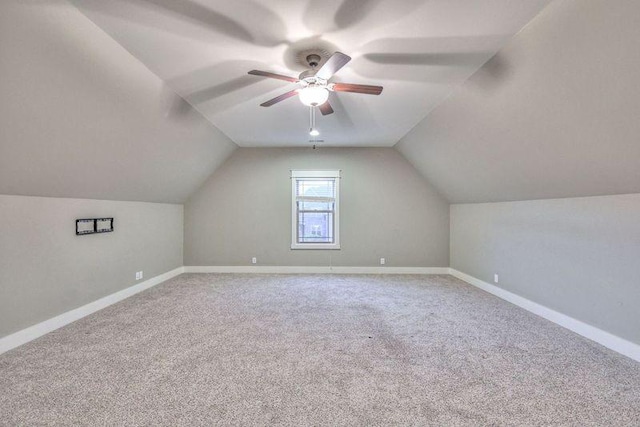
(311, 175)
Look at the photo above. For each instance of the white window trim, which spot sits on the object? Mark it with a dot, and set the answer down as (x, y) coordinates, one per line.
(294, 212)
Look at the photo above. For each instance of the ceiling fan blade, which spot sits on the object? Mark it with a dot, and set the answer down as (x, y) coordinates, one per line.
(326, 109)
(333, 64)
(277, 99)
(273, 76)
(366, 89)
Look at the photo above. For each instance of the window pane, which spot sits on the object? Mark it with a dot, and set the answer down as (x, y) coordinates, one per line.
(315, 227)
(308, 205)
(316, 188)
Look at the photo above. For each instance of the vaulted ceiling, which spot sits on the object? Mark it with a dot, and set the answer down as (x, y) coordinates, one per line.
(93, 114)
(419, 50)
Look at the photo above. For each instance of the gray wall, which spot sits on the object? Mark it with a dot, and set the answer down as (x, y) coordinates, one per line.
(578, 256)
(81, 117)
(46, 270)
(553, 114)
(387, 210)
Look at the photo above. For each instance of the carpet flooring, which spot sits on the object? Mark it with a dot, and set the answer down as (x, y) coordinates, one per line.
(233, 349)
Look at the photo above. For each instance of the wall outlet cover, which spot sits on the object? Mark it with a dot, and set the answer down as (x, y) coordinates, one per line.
(496, 279)
(382, 261)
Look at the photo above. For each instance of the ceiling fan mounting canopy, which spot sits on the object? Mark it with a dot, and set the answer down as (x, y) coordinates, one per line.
(313, 60)
(312, 57)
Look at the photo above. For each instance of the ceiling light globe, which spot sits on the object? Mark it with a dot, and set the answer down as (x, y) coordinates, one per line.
(313, 96)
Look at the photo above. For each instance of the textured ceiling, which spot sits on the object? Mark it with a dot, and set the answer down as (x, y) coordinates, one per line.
(419, 50)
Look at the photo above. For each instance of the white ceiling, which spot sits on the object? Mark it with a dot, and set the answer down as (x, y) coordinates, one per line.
(419, 50)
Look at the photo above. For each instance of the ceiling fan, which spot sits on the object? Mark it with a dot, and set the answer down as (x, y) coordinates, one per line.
(315, 83)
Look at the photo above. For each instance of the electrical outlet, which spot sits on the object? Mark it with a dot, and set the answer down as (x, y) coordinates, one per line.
(382, 261)
(254, 260)
(496, 279)
(139, 275)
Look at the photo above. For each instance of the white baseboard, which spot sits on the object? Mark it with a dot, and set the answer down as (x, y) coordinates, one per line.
(24, 336)
(604, 338)
(273, 269)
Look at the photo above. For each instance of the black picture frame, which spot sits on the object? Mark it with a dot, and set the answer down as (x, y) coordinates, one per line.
(86, 226)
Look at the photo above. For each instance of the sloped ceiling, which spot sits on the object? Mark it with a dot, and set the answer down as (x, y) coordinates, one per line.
(556, 113)
(80, 117)
(553, 114)
(419, 50)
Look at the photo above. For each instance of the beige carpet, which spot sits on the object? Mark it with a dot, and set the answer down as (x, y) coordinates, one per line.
(316, 350)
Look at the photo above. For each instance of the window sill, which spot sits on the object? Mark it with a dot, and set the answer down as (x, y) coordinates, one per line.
(315, 246)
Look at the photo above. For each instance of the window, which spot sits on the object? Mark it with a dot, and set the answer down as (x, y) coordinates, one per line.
(314, 216)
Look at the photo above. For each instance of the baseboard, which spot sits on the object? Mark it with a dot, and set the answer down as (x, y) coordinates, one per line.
(24, 336)
(273, 269)
(604, 338)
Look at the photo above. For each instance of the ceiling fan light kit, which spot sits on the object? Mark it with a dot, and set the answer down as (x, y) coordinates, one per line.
(313, 96)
